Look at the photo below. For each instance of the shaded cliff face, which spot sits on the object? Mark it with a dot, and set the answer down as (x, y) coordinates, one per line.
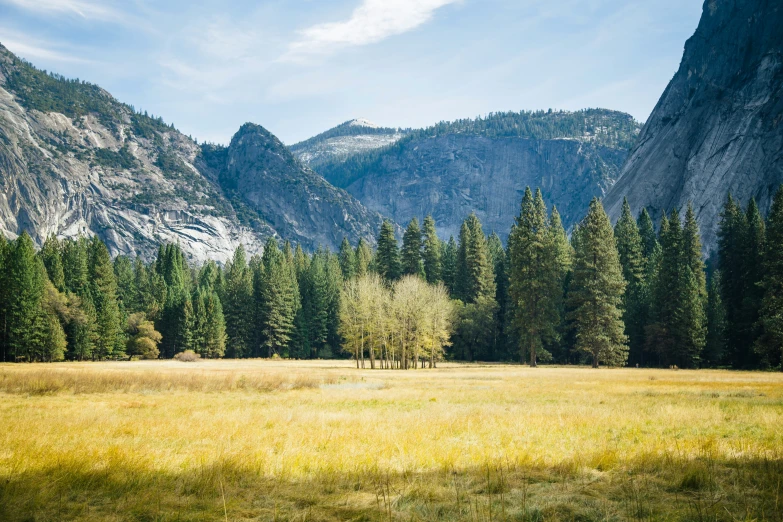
(298, 203)
(718, 126)
(75, 161)
(484, 166)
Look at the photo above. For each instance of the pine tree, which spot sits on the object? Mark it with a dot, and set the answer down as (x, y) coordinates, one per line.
(74, 256)
(731, 251)
(770, 343)
(564, 259)
(499, 259)
(474, 277)
(363, 257)
(176, 316)
(661, 332)
(279, 300)
(388, 255)
(110, 341)
(535, 282)
(51, 256)
(25, 287)
(214, 336)
(692, 328)
(347, 260)
(449, 266)
(715, 342)
(630, 249)
(238, 308)
(752, 273)
(597, 290)
(126, 287)
(432, 252)
(411, 250)
(4, 296)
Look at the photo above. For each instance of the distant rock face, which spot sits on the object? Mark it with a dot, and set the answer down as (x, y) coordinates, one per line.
(135, 182)
(346, 140)
(451, 176)
(718, 126)
(298, 203)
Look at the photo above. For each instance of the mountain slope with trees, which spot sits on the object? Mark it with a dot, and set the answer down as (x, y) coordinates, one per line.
(483, 165)
(75, 161)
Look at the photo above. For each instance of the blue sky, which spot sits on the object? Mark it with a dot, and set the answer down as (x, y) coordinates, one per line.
(299, 67)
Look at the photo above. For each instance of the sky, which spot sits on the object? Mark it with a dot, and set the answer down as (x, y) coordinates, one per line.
(299, 67)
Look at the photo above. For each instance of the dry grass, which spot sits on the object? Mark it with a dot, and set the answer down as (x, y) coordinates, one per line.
(263, 440)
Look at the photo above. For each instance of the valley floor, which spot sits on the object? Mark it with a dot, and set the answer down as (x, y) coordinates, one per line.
(281, 440)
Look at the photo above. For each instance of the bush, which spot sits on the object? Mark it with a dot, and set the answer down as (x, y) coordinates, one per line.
(187, 356)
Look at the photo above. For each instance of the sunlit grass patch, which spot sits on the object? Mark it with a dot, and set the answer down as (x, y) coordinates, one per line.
(325, 441)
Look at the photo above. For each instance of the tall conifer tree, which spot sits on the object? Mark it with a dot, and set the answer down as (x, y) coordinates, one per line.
(597, 290)
(535, 283)
(388, 254)
(770, 344)
(411, 250)
(432, 251)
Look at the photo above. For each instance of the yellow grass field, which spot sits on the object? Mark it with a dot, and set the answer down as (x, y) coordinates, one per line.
(279, 440)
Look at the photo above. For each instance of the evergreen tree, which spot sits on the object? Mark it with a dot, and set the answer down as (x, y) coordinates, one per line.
(411, 250)
(499, 258)
(597, 290)
(363, 257)
(474, 277)
(110, 340)
(732, 234)
(25, 286)
(279, 300)
(4, 296)
(126, 287)
(449, 266)
(215, 330)
(715, 342)
(238, 309)
(692, 327)
(535, 282)
(661, 333)
(432, 252)
(752, 274)
(176, 317)
(630, 249)
(770, 343)
(347, 260)
(74, 256)
(388, 255)
(51, 256)
(564, 259)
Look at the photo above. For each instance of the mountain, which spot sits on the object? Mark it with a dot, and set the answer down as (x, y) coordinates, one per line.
(73, 161)
(718, 126)
(298, 203)
(483, 165)
(345, 140)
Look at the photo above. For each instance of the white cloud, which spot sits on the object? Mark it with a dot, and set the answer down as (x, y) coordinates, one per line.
(371, 22)
(31, 49)
(81, 8)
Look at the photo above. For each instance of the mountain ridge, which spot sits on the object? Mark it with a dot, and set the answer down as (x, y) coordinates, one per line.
(74, 160)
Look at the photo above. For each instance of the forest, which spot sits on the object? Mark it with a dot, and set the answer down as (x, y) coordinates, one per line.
(635, 294)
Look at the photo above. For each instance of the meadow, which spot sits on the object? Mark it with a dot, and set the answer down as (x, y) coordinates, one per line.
(285, 440)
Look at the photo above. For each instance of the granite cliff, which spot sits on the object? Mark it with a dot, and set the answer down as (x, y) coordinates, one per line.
(718, 127)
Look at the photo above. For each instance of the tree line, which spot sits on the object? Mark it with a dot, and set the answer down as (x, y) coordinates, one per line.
(632, 294)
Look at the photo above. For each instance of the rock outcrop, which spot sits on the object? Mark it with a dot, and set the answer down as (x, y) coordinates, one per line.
(718, 126)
